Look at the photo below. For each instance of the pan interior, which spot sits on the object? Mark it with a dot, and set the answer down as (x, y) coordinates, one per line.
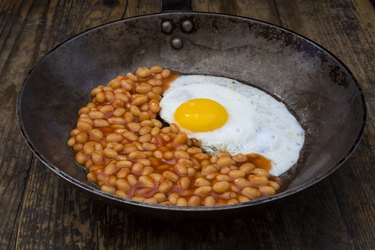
(313, 84)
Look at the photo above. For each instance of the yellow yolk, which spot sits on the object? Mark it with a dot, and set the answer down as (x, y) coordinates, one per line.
(200, 115)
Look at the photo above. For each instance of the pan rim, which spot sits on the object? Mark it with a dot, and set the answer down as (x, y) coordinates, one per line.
(112, 198)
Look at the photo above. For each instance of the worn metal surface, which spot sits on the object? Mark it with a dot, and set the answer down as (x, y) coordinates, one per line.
(316, 87)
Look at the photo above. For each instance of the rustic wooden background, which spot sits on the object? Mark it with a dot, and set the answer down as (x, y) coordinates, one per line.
(40, 211)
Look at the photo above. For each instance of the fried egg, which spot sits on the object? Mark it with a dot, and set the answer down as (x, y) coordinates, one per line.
(228, 115)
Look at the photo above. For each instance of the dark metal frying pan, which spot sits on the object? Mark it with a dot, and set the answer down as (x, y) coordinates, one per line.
(313, 83)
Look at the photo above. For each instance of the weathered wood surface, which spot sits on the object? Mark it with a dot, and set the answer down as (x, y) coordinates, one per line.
(40, 211)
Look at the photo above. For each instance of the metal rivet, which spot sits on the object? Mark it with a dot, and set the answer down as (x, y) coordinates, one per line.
(187, 26)
(167, 27)
(176, 43)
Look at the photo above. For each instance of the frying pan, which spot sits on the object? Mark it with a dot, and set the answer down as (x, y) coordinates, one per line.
(316, 86)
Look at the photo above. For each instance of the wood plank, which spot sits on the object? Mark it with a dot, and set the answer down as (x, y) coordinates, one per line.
(65, 221)
(345, 28)
(15, 157)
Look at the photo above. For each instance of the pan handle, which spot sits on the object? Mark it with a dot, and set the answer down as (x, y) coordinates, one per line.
(176, 5)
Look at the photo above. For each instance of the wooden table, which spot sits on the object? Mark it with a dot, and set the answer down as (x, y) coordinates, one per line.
(39, 211)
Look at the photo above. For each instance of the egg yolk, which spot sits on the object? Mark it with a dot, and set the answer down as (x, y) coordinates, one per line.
(201, 115)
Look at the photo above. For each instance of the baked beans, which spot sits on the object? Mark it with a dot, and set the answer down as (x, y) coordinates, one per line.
(128, 153)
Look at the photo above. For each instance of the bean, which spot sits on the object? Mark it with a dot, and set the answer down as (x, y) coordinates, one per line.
(155, 131)
(267, 190)
(225, 162)
(128, 117)
(114, 84)
(100, 97)
(209, 170)
(128, 148)
(143, 191)
(130, 136)
(171, 176)
(156, 69)
(146, 181)
(258, 180)
(71, 141)
(88, 149)
(143, 72)
(261, 172)
(209, 201)
(247, 168)
(108, 189)
(232, 201)
(81, 157)
(135, 111)
(222, 177)
(121, 97)
(147, 170)
(154, 106)
(240, 158)
(137, 155)
(110, 169)
(91, 177)
(181, 202)
(165, 186)
(151, 201)
(194, 201)
(145, 138)
(199, 182)
(143, 89)
(106, 108)
(122, 173)
(113, 137)
(184, 183)
(165, 73)
(168, 155)
(202, 190)
(274, 184)
(243, 198)
(97, 157)
(96, 115)
(158, 154)
(229, 195)
(149, 146)
(139, 100)
(201, 156)
(147, 123)
(138, 198)
(236, 173)
(84, 126)
(242, 183)
(99, 123)
(119, 112)
(132, 77)
(121, 194)
(156, 177)
(137, 168)
(157, 90)
(132, 180)
(160, 197)
(180, 169)
(251, 193)
(221, 187)
(83, 110)
(116, 120)
(194, 150)
(185, 162)
(110, 153)
(97, 134)
(156, 123)
(191, 171)
(173, 197)
(181, 154)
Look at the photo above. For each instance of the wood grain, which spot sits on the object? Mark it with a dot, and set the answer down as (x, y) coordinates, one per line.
(40, 211)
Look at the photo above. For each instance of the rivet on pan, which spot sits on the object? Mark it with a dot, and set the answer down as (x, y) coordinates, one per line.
(167, 27)
(187, 26)
(176, 43)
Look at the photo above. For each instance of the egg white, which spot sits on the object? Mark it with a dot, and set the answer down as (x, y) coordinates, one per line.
(257, 122)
